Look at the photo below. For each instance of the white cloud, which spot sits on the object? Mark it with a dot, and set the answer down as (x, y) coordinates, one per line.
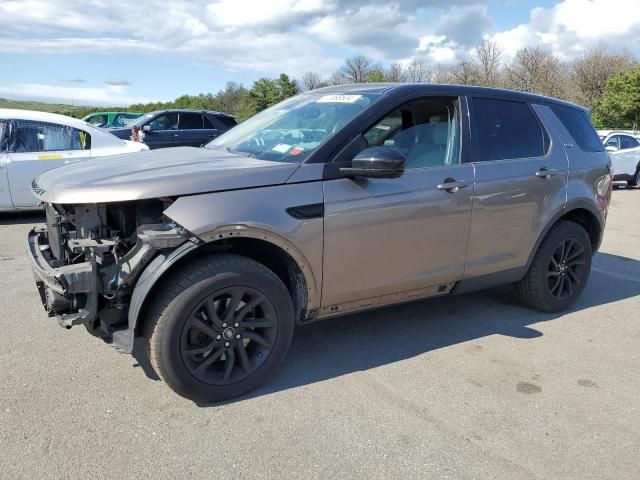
(109, 95)
(271, 36)
(572, 26)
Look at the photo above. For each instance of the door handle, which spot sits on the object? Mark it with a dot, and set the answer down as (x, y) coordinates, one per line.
(452, 185)
(175, 135)
(546, 173)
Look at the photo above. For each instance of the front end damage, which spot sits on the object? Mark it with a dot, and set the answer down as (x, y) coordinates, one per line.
(88, 258)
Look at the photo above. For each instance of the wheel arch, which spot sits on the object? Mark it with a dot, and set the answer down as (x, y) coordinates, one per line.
(581, 212)
(266, 248)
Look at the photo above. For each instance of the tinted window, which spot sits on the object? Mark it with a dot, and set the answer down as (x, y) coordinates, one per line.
(613, 141)
(579, 126)
(98, 120)
(33, 136)
(504, 129)
(628, 142)
(165, 122)
(4, 136)
(190, 121)
(228, 122)
(207, 123)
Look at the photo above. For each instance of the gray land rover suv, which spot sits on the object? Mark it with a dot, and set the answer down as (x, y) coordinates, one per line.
(334, 201)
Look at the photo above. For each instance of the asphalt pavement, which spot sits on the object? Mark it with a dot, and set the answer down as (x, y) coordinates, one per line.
(474, 386)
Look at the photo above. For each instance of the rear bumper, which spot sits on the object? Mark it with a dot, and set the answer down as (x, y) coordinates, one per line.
(68, 292)
(622, 177)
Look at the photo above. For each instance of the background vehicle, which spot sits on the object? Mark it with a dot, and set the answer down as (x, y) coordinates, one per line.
(333, 201)
(111, 119)
(33, 142)
(179, 128)
(624, 151)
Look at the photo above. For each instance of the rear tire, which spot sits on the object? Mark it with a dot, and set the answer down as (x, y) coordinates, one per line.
(559, 270)
(219, 327)
(636, 179)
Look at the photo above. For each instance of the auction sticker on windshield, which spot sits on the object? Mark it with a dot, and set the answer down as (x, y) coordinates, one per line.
(282, 148)
(338, 98)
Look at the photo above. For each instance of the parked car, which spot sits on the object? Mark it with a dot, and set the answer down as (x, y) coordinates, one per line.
(624, 151)
(111, 119)
(334, 201)
(33, 142)
(179, 128)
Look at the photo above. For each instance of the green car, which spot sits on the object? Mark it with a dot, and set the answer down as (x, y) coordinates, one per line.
(111, 119)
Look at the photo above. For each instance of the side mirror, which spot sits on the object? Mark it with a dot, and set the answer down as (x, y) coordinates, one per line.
(376, 162)
(147, 128)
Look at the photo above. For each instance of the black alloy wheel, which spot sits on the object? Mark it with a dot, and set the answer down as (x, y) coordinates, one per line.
(229, 335)
(566, 269)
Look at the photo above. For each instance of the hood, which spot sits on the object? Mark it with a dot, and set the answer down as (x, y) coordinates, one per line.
(157, 173)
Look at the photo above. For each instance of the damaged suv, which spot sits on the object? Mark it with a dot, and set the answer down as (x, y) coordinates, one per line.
(334, 201)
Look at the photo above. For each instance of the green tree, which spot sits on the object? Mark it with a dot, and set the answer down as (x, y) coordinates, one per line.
(376, 76)
(619, 106)
(264, 93)
(286, 87)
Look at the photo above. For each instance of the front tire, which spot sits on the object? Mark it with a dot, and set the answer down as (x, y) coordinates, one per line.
(219, 327)
(559, 270)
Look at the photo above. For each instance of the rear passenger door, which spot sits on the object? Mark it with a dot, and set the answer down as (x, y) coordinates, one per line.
(628, 155)
(520, 183)
(192, 130)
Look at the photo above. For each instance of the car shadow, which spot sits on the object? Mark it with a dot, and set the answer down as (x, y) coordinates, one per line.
(22, 218)
(335, 347)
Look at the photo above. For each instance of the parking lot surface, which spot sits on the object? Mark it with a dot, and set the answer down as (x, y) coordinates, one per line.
(474, 386)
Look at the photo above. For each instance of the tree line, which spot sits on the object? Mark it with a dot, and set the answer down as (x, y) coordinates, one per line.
(605, 81)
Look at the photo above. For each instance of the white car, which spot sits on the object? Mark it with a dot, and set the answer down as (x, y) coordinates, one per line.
(33, 142)
(624, 151)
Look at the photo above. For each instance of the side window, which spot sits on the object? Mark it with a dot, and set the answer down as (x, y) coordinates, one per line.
(613, 141)
(33, 136)
(207, 123)
(627, 142)
(190, 121)
(504, 129)
(4, 136)
(98, 120)
(228, 122)
(580, 128)
(426, 132)
(168, 121)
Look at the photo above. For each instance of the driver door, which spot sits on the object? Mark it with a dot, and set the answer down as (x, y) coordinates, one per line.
(388, 240)
(164, 131)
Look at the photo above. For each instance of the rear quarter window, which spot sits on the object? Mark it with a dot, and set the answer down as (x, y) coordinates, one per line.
(577, 123)
(228, 122)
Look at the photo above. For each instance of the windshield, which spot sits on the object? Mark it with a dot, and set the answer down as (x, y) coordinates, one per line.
(141, 120)
(292, 129)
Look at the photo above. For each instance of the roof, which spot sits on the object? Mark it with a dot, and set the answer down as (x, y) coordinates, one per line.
(17, 114)
(428, 88)
(188, 110)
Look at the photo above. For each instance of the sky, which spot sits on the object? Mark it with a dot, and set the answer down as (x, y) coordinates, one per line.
(113, 52)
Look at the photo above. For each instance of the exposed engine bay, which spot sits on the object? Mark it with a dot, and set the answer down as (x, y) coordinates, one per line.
(90, 257)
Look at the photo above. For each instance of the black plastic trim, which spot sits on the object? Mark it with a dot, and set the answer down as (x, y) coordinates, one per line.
(306, 212)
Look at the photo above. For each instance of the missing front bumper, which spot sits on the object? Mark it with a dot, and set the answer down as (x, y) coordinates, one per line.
(69, 292)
